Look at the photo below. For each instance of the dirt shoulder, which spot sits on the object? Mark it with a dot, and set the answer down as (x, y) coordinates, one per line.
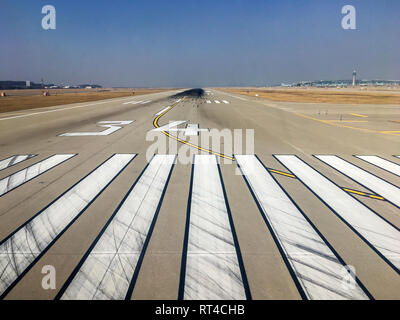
(316, 95)
(16, 100)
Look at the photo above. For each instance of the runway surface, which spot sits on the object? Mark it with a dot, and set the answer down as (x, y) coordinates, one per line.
(312, 213)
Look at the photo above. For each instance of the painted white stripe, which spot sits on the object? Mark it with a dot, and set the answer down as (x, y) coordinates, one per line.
(20, 250)
(15, 180)
(212, 267)
(208, 101)
(381, 235)
(216, 101)
(147, 101)
(382, 163)
(108, 269)
(6, 163)
(111, 125)
(233, 96)
(319, 272)
(133, 102)
(224, 101)
(163, 110)
(397, 157)
(389, 191)
(179, 100)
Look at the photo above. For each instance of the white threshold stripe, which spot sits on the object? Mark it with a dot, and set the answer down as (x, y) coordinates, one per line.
(224, 101)
(383, 188)
(382, 163)
(16, 179)
(208, 101)
(378, 233)
(10, 161)
(163, 110)
(216, 101)
(20, 250)
(106, 271)
(212, 266)
(144, 102)
(316, 267)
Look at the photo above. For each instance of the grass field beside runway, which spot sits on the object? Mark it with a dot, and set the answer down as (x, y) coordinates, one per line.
(323, 95)
(17, 100)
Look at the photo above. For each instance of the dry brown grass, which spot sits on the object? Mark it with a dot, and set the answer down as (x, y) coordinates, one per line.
(31, 100)
(345, 96)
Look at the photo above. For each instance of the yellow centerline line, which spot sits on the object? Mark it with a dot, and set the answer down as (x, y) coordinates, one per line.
(156, 125)
(359, 115)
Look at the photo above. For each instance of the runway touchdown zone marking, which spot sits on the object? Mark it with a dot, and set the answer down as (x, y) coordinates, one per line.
(110, 267)
(317, 271)
(24, 247)
(211, 263)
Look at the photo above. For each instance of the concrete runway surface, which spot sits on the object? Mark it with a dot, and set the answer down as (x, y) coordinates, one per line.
(313, 214)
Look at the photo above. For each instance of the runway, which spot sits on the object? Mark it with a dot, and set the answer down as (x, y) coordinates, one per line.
(316, 203)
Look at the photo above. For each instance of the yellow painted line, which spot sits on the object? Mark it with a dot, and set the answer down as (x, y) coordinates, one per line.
(156, 125)
(344, 126)
(363, 194)
(359, 115)
(347, 121)
(376, 197)
(354, 191)
(282, 173)
(389, 132)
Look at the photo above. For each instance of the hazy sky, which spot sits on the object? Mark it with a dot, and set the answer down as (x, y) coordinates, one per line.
(198, 43)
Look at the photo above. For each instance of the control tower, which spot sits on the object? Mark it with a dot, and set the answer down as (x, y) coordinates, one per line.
(354, 77)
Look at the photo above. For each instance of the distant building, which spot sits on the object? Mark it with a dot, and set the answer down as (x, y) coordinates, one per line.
(354, 77)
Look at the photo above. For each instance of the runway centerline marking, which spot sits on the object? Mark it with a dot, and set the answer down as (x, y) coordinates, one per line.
(24, 247)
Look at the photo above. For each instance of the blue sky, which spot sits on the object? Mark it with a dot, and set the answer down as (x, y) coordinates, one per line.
(190, 43)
